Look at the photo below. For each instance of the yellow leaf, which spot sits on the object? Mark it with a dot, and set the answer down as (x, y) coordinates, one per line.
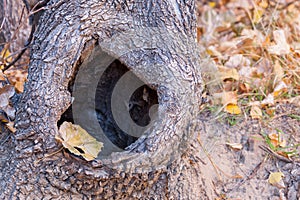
(233, 109)
(279, 89)
(275, 179)
(267, 41)
(78, 141)
(255, 112)
(212, 4)
(4, 55)
(257, 15)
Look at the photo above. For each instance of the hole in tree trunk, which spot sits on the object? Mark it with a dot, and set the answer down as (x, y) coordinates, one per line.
(139, 105)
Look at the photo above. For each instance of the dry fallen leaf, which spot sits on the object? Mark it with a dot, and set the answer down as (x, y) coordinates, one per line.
(229, 98)
(225, 98)
(255, 112)
(269, 100)
(2, 76)
(270, 111)
(17, 78)
(4, 58)
(278, 71)
(233, 109)
(11, 127)
(260, 64)
(211, 50)
(6, 92)
(244, 87)
(212, 4)
(281, 47)
(236, 61)
(280, 88)
(275, 179)
(257, 15)
(277, 140)
(228, 73)
(235, 146)
(78, 141)
(3, 117)
(263, 3)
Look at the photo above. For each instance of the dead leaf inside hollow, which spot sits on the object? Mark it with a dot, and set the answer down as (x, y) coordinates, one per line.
(78, 141)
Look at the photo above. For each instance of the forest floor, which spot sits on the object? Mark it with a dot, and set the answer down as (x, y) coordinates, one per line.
(250, 124)
(239, 160)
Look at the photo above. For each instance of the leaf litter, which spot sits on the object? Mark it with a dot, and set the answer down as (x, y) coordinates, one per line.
(252, 74)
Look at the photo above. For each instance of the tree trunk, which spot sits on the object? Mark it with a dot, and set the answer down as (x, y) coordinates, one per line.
(15, 27)
(156, 41)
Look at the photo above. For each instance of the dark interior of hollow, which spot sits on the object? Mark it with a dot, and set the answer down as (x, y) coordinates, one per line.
(138, 106)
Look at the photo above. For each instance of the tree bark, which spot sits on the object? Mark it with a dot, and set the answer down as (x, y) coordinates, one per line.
(15, 27)
(159, 166)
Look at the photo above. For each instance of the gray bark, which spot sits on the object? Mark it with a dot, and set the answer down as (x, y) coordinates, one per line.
(15, 27)
(68, 32)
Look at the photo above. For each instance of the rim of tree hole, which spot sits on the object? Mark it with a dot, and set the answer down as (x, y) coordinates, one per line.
(105, 92)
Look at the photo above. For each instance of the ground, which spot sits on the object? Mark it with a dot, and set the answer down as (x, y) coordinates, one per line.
(244, 173)
(249, 128)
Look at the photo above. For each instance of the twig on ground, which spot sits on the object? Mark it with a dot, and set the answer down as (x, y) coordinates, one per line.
(270, 151)
(251, 175)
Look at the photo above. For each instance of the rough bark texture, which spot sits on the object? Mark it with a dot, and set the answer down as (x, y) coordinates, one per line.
(15, 27)
(67, 33)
